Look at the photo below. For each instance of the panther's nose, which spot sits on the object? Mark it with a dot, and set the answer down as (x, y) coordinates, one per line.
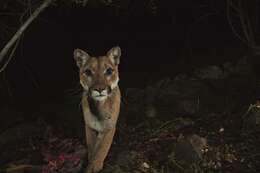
(100, 89)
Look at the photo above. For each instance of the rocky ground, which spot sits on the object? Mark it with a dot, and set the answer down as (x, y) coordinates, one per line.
(208, 121)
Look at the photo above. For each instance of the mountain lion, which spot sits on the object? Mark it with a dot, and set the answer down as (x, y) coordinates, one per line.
(99, 78)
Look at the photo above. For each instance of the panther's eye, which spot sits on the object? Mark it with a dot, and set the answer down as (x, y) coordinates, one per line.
(109, 71)
(88, 72)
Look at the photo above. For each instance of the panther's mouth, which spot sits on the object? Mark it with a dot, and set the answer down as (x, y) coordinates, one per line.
(99, 97)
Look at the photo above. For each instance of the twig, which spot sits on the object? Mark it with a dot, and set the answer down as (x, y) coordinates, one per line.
(10, 57)
(256, 16)
(21, 168)
(250, 32)
(243, 22)
(231, 25)
(21, 30)
(231, 4)
(30, 6)
(163, 126)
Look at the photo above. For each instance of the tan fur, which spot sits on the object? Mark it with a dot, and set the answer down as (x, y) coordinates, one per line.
(100, 103)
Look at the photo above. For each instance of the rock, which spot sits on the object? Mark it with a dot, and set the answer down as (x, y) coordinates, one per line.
(150, 111)
(251, 119)
(150, 95)
(184, 89)
(112, 169)
(126, 158)
(163, 83)
(134, 94)
(182, 123)
(228, 68)
(184, 96)
(190, 149)
(188, 106)
(181, 77)
(199, 144)
(131, 162)
(21, 132)
(210, 72)
(243, 66)
(144, 167)
(144, 100)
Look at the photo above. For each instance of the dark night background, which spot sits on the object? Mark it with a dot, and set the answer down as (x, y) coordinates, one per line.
(160, 39)
(175, 39)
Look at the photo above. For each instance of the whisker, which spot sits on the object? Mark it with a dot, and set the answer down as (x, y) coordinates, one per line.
(74, 91)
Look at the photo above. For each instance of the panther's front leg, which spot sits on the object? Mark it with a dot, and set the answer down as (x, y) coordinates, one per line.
(91, 136)
(103, 142)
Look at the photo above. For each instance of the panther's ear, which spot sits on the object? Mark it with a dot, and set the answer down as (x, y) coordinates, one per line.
(114, 54)
(80, 57)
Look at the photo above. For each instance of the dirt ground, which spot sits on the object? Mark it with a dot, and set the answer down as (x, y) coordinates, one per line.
(199, 123)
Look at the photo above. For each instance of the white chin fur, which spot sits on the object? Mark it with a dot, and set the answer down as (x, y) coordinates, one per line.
(96, 95)
(100, 98)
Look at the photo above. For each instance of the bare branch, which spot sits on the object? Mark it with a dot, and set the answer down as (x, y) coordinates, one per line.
(250, 31)
(21, 30)
(243, 21)
(231, 25)
(231, 4)
(10, 56)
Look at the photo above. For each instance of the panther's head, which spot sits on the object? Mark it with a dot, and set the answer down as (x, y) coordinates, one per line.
(98, 75)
